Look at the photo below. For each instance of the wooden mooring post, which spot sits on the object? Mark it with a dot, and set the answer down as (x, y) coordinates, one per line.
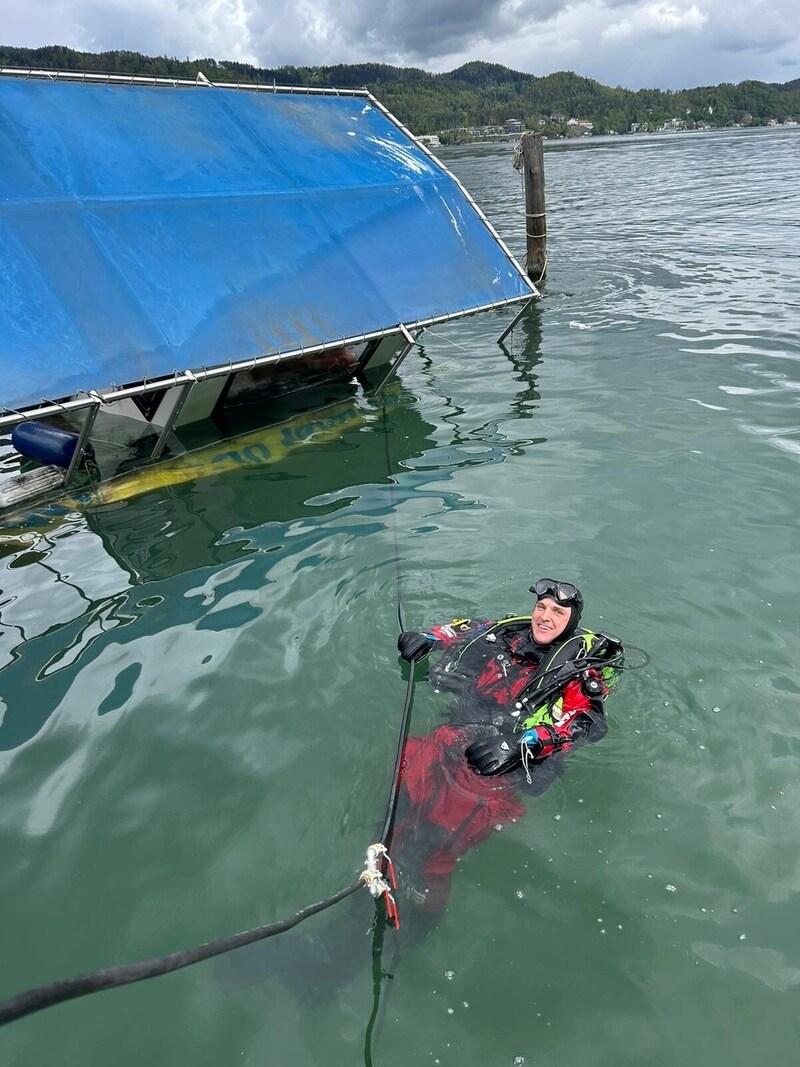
(535, 213)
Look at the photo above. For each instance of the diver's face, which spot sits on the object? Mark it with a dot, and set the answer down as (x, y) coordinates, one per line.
(549, 620)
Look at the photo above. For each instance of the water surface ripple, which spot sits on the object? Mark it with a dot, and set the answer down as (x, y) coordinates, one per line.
(199, 693)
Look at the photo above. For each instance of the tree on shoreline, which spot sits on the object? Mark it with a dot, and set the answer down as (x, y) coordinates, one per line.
(476, 94)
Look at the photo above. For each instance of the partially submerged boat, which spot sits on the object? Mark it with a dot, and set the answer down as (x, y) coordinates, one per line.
(172, 250)
(315, 445)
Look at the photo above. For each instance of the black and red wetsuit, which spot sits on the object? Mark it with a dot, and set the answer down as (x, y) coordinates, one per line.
(444, 807)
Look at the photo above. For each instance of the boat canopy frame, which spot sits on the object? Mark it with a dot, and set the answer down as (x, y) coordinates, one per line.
(95, 397)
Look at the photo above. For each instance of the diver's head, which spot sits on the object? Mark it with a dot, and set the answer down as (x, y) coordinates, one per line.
(557, 611)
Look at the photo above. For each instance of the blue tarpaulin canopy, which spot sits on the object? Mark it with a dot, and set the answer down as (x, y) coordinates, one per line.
(148, 229)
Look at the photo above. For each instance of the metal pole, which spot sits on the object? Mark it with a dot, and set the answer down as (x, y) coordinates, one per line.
(110, 395)
(513, 323)
(83, 440)
(399, 360)
(173, 418)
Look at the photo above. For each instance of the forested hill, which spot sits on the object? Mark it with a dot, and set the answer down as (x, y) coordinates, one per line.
(477, 94)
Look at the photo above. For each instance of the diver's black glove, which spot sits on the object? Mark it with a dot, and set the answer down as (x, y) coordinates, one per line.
(413, 646)
(494, 755)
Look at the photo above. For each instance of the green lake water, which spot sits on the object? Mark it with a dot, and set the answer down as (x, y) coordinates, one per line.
(200, 693)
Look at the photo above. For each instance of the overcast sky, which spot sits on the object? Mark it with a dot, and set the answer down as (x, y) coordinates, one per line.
(670, 44)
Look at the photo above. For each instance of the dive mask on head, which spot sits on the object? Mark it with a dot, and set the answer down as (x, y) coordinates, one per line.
(562, 592)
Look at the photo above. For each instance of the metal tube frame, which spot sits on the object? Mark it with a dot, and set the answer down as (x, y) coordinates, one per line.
(173, 418)
(109, 395)
(83, 439)
(25, 73)
(513, 323)
(410, 342)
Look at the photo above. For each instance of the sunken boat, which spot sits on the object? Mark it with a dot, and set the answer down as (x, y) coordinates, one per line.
(171, 251)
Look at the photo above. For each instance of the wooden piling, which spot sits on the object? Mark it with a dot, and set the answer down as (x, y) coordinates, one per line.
(535, 212)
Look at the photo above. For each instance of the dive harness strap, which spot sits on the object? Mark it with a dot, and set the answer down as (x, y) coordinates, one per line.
(571, 669)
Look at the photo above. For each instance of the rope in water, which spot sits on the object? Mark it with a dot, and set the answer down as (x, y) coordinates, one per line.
(111, 977)
(46, 996)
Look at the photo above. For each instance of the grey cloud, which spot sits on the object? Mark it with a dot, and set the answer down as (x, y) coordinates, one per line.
(156, 27)
(423, 29)
(102, 24)
(532, 35)
(613, 5)
(661, 65)
(760, 40)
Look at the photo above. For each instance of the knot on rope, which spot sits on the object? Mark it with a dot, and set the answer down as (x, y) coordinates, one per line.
(376, 883)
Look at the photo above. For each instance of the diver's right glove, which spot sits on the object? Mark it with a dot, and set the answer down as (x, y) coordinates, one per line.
(494, 755)
(413, 646)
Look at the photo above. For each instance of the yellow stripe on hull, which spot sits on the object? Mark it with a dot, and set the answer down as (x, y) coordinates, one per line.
(249, 450)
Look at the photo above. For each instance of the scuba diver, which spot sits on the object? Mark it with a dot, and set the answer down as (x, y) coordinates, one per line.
(526, 690)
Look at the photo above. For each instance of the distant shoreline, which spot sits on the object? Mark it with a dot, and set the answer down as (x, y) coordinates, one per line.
(475, 95)
(606, 138)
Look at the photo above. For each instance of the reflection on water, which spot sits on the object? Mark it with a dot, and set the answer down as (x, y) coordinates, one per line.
(266, 490)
